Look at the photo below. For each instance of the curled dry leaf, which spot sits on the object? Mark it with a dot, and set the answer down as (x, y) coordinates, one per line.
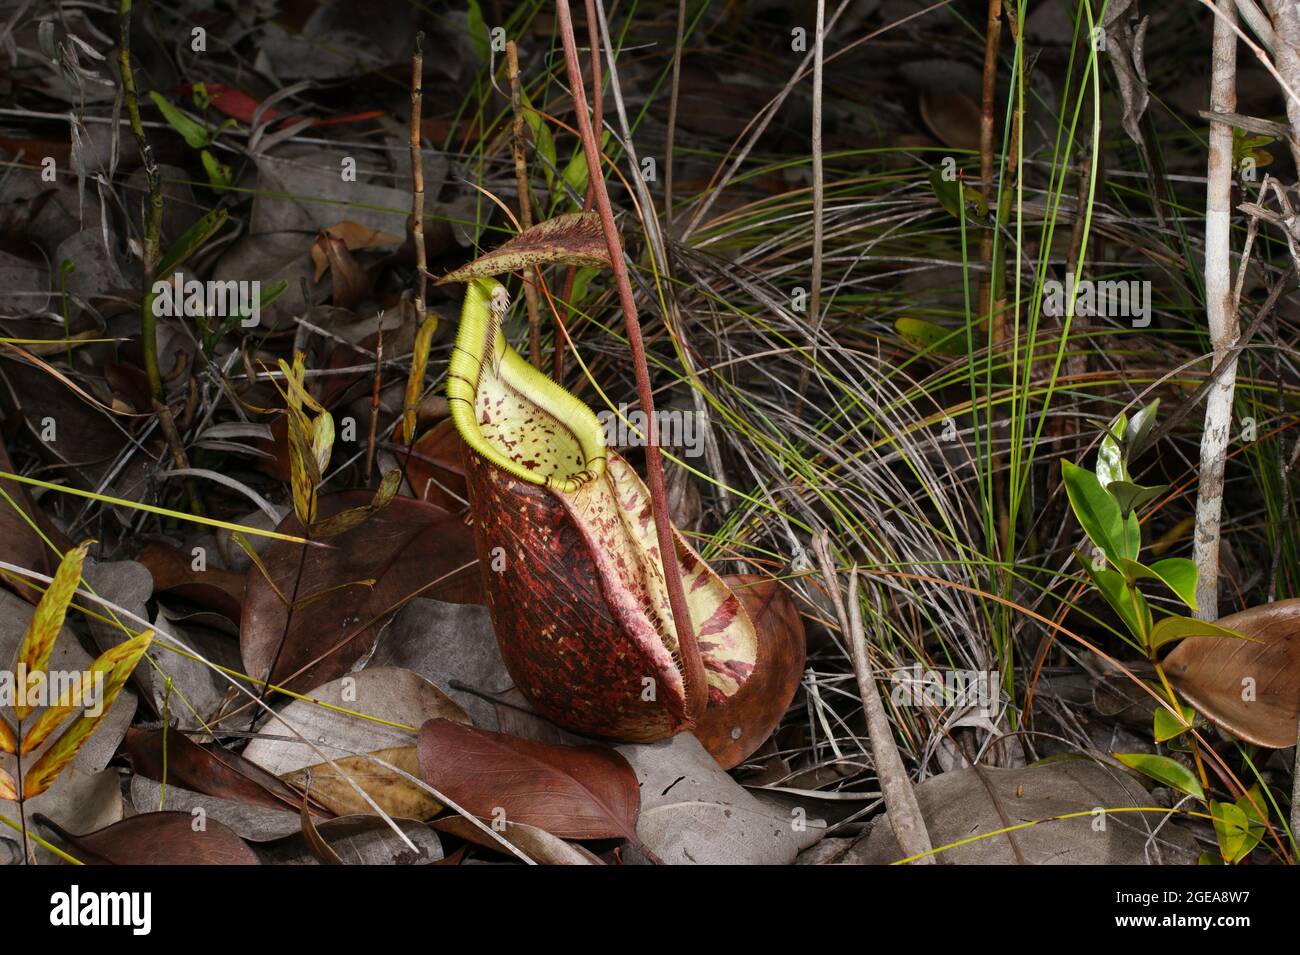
(352, 237)
(358, 840)
(392, 792)
(349, 280)
(1251, 689)
(156, 838)
(574, 792)
(408, 549)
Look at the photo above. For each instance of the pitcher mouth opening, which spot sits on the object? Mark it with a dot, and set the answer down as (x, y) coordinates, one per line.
(511, 413)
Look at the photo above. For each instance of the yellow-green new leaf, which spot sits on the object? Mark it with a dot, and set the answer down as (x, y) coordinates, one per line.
(304, 476)
(8, 788)
(346, 520)
(113, 667)
(47, 620)
(1166, 726)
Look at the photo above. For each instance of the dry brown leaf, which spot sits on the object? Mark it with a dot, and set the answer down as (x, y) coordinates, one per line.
(393, 793)
(1252, 690)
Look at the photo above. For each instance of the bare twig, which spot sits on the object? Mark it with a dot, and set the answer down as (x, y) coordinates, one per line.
(988, 101)
(525, 200)
(672, 115)
(427, 324)
(819, 197)
(374, 403)
(153, 218)
(895, 785)
(597, 104)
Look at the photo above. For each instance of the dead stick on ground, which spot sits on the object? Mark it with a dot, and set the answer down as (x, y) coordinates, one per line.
(692, 665)
(525, 203)
(427, 324)
(895, 785)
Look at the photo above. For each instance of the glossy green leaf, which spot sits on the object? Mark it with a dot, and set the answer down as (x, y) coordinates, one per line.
(218, 173)
(1131, 606)
(1179, 627)
(1166, 726)
(1111, 456)
(1177, 573)
(1130, 496)
(950, 194)
(1232, 829)
(1166, 771)
(1099, 515)
(1140, 425)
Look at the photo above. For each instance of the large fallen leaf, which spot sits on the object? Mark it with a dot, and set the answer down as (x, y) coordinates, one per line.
(393, 793)
(448, 644)
(391, 698)
(256, 823)
(206, 769)
(693, 813)
(408, 549)
(574, 792)
(1251, 689)
(388, 695)
(157, 838)
(959, 805)
(214, 588)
